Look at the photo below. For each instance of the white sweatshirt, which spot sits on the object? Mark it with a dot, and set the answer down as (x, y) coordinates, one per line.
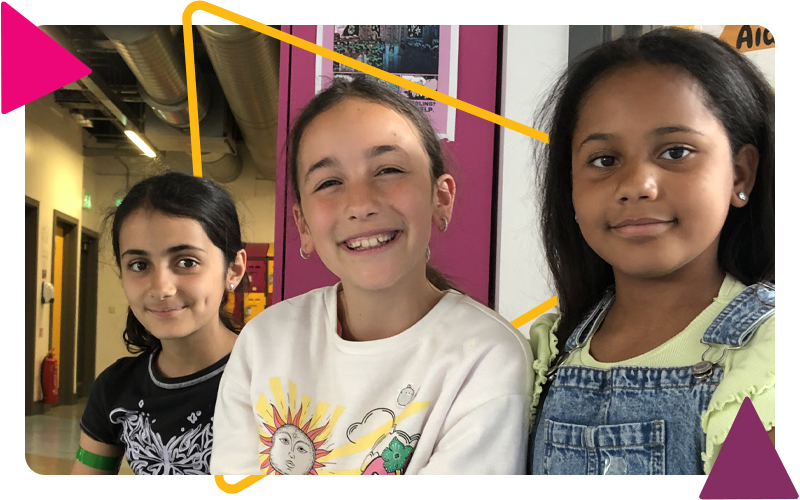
(450, 395)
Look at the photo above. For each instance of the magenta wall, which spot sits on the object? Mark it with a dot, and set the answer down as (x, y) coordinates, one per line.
(464, 252)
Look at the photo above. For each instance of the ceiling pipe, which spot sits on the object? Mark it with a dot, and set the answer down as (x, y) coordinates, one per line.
(153, 55)
(247, 63)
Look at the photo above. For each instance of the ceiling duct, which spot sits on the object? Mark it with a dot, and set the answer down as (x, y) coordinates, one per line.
(246, 63)
(154, 57)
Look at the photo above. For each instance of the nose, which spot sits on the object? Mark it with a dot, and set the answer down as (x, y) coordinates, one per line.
(361, 201)
(291, 454)
(638, 181)
(162, 283)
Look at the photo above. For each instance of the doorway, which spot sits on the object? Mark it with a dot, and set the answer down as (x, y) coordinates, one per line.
(87, 314)
(31, 255)
(62, 312)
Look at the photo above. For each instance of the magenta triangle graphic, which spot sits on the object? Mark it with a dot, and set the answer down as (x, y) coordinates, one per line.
(32, 63)
(748, 465)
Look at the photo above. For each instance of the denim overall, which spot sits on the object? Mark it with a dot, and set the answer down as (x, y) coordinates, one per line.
(637, 420)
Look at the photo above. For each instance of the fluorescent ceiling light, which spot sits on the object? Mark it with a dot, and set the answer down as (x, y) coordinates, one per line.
(133, 136)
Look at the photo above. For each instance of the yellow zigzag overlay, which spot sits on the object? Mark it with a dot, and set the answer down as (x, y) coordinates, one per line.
(194, 123)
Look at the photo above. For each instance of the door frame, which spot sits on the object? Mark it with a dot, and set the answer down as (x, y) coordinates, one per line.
(69, 303)
(87, 313)
(31, 281)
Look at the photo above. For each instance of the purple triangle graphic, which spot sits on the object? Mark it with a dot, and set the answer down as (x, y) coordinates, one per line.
(32, 63)
(748, 465)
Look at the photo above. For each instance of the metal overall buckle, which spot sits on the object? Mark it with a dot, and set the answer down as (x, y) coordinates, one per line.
(704, 368)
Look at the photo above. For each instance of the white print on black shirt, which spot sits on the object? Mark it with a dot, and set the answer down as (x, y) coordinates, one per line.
(187, 453)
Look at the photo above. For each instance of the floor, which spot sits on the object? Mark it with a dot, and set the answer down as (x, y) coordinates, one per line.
(51, 440)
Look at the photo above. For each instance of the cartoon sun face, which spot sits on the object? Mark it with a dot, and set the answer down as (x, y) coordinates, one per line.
(292, 450)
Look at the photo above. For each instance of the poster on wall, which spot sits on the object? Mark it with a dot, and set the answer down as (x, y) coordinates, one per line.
(423, 54)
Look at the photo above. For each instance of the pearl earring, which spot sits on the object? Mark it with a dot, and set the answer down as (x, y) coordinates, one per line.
(232, 286)
(742, 196)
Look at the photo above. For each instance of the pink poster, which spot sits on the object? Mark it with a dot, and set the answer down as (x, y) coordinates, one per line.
(423, 54)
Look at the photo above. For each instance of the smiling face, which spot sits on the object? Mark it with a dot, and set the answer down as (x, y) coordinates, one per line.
(652, 171)
(292, 451)
(172, 274)
(367, 196)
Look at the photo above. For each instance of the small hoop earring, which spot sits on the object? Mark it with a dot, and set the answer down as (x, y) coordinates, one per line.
(428, 254)
(304, 255)
(742, 196)
(446, 223)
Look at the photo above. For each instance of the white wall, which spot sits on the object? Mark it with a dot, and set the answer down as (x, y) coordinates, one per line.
(54, 178)
(534, 57)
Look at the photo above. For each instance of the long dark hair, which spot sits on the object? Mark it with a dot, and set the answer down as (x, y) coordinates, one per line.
(738, 96)
(179, 195)
(362, 87)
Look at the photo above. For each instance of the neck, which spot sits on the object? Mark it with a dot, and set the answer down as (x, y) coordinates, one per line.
(373, 315)
(190, 354)
(649, 311)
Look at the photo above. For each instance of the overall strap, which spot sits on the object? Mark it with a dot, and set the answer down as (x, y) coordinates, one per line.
(588, 324)
(735, 325)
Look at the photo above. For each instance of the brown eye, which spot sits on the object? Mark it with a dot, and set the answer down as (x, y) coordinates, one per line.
(604, 161)
(187, 263)
(675, 153)
(137, 266)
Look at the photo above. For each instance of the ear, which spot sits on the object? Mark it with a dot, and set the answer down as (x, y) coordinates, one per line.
(306, 241)
(745, 164)
(444, 195)
(236, 269)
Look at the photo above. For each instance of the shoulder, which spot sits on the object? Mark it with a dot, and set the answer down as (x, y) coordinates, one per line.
(296, 308)
(543, 337)
(123, 368)
(471, 317)
(291, 313)
(749, 372)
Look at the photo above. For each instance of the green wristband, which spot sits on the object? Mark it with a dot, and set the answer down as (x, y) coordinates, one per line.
(96, 461)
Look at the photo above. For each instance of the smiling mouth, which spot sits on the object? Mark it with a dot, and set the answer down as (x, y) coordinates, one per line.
(166, 312)
(642, 227)
(371, 242)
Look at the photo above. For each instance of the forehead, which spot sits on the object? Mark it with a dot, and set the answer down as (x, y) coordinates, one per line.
(154, 231)
(642, 98)
(352, 127)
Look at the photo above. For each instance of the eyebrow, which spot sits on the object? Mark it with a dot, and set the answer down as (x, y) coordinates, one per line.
(372, 152)
(170, 250)
(660, 131)
(672, 129)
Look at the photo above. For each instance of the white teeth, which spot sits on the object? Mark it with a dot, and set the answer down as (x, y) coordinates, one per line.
(370, 242)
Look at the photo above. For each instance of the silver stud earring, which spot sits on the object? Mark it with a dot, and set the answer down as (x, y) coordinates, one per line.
(576, 217)
(231, 286)
(445, 224)
(742, 196)
(428, 254)
(304, 255)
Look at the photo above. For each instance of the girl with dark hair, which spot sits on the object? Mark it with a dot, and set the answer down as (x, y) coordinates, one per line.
(389, 371)
(177, 243)
(658, 220)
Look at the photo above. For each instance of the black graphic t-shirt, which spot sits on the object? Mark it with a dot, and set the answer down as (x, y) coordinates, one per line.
(163, 424)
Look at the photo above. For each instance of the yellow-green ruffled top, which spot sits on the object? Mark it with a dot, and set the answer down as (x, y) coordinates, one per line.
(748, 372)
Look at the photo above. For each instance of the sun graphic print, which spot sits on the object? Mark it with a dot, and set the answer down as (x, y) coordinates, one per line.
(292, 449)
(293, 436)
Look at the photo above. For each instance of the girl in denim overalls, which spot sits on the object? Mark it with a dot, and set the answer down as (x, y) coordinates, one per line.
(658, 222)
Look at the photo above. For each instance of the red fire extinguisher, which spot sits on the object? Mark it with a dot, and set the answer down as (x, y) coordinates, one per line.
(50, 378)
